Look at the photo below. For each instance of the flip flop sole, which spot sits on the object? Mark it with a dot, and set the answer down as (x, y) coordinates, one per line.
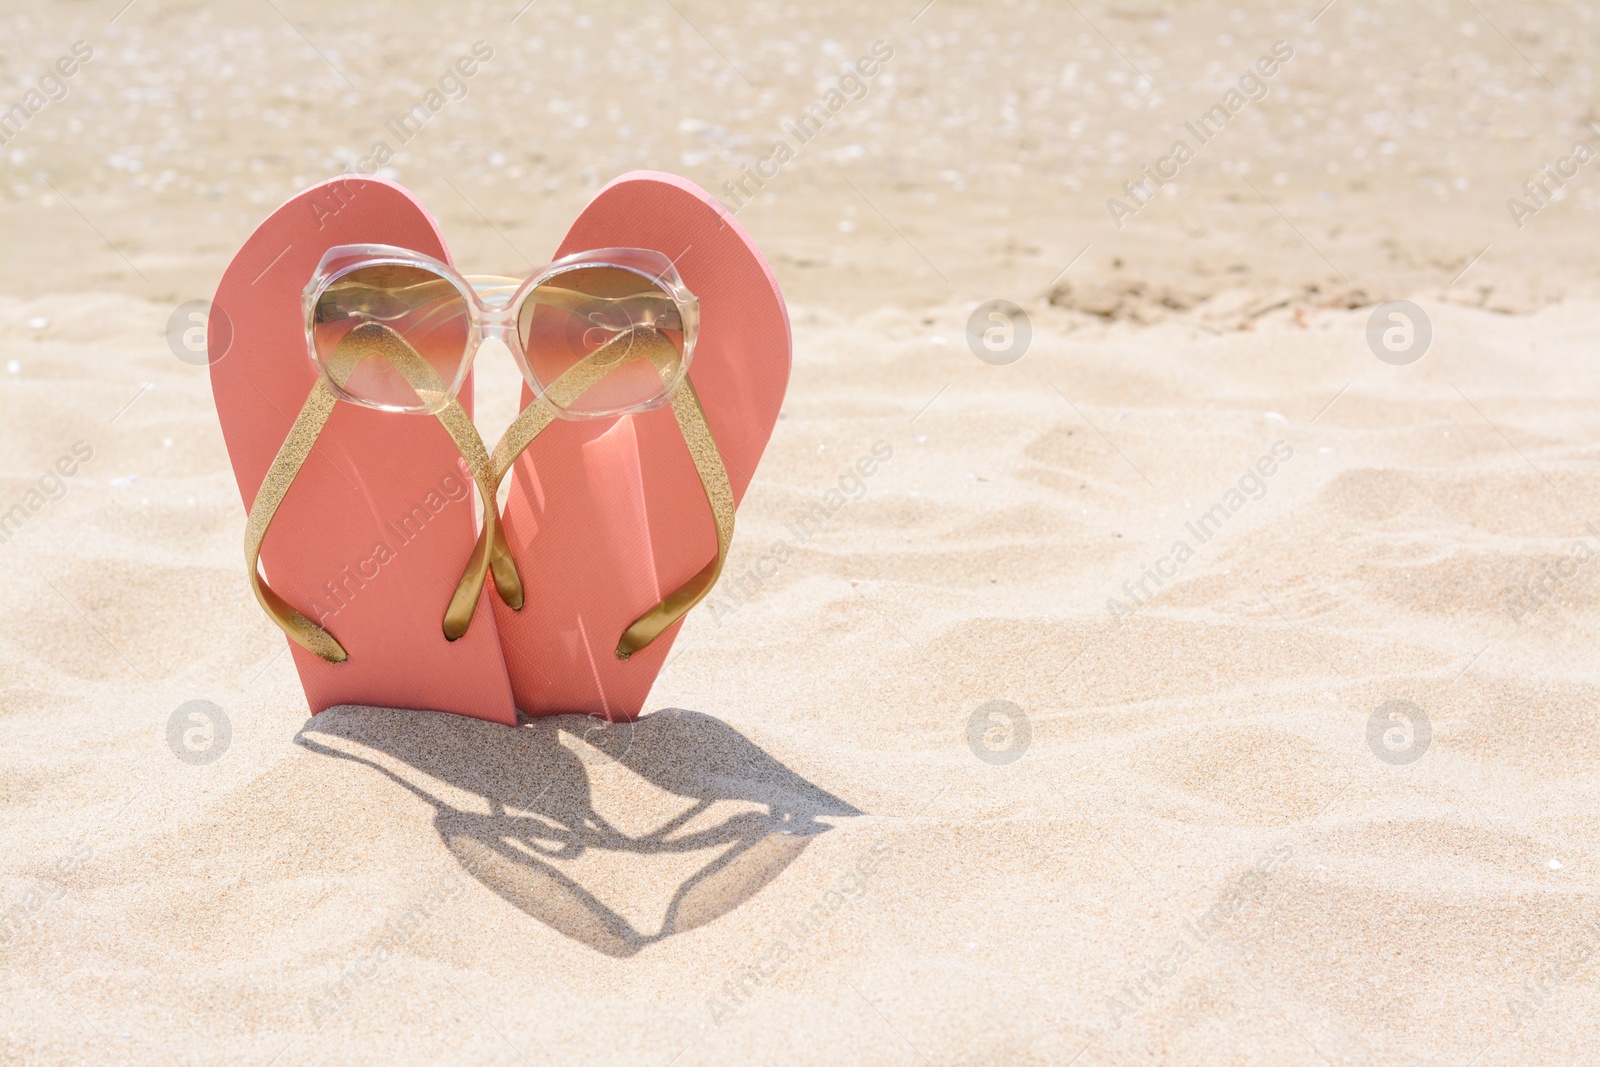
(608, 516)
(372, 536)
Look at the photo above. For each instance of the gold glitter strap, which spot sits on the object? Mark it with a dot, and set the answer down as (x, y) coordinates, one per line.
(719, 497)
(367, 341)
(641, 342)
(296, 447)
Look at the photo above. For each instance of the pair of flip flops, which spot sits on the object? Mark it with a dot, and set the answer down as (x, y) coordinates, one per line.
(604, 518)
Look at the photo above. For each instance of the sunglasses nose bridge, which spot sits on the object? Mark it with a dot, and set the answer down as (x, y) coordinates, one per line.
(499, 323)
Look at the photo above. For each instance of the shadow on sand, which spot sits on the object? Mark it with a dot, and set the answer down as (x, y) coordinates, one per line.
(537, 795)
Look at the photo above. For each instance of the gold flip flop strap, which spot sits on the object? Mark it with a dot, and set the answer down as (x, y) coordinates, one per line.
(719, 497)
(367, 341)
(641, 343)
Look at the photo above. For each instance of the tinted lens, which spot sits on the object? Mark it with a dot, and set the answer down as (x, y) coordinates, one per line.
(602, 340)
(392, 336)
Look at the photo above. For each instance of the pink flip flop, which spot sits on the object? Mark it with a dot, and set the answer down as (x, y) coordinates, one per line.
(606, 518)
(374, 517)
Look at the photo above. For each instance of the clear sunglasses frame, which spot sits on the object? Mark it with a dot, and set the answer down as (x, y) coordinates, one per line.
(495, 306)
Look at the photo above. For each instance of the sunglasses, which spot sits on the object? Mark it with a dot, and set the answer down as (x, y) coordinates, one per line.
(596, 334)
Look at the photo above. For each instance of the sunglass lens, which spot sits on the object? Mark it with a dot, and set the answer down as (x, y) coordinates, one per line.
(602, 340)
(392, 336)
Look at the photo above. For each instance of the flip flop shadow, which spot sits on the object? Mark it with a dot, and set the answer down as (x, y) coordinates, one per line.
(540, 809)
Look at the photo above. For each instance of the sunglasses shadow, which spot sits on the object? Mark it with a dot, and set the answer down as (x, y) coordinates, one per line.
(534, 806)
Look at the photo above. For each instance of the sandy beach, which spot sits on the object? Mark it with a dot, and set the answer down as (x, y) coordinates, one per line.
(1210, 680)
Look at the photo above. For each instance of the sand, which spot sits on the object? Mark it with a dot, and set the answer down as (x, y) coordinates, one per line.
(950, 786)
